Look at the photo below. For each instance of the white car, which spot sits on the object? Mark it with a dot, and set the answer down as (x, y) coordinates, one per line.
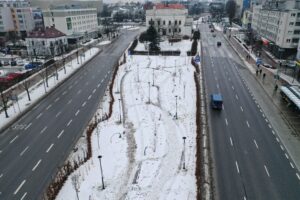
(20, 62)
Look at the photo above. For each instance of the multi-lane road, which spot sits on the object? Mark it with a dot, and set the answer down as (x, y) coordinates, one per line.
(34, 146)
(249, 160)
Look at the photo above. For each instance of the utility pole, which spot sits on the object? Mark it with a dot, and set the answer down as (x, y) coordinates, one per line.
(176, 117)
(183, 164)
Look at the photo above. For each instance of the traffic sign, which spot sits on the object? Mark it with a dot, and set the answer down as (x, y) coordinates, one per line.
(197, 58)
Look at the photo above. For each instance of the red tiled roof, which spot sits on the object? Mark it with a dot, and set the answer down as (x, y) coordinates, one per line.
(169, 6)
(48, 32)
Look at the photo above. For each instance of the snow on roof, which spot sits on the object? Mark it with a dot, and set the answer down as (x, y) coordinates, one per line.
(292, 93)
(169, 6)
(48, 32)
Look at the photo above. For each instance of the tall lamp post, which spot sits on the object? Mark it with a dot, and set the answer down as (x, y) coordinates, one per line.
(176, 117)
(102, 178)
(183, 165)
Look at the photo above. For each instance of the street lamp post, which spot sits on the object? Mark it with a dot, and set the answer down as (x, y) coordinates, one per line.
(120, 110)
(183, 165)
(152, 76)
(148, 92)
(176, 117)
(102, 178)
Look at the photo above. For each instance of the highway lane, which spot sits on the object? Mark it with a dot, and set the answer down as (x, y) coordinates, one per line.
(31, 153)
(242, 137)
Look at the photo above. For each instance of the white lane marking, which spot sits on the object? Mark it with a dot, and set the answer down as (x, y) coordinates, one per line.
(248, 124)
(242, 109)
(56, 99)
(237, 167)
(94, 91)
(69, 101)
(281, 147)
(255, 143)
(50, 147)
(24, 195)
(260, 110)
(266, 120)
(19, 187)
(49, 107)
(267, 170)
(245, 198)
(277, 139)
(77, 112)
(28, 126)
(42, 131)
(58, 114)
(98, 85)
(231, 143)
(89, 97)
(21, 154)
(236, 97)
(292, 165)
(39, 115)
(232, 87)
(269, 125)
(102, 81)
(298, 176)
(69, 122)
(1, 175)
(287, 157)
(263, 115)
(83, 104)
(105, 76)
(36, 165)
(79, 91)
(218, 86)
(273, 132)
(60, 134)
(65, 92)
(13, 139)
(226, 121)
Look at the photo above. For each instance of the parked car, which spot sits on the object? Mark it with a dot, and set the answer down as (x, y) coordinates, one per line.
(33, 65)
(268, 66)
(20, 62)
(212, 30)
(219, 43)
(13, 63)
(5, 63)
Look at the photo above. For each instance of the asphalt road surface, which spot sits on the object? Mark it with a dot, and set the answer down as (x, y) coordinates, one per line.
(33, 147)
(249, 160)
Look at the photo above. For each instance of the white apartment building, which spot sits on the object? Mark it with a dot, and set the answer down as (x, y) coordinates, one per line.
(16, 15)
(170, 20)
(46, 42)
(280, 28)
(77, 22)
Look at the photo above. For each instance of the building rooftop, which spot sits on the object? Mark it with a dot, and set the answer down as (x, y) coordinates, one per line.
(48, 32)
(169, 6)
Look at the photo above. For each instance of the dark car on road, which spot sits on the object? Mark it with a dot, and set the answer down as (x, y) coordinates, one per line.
(219, 43)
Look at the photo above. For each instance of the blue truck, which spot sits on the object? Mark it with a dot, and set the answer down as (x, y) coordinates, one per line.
(216, 101)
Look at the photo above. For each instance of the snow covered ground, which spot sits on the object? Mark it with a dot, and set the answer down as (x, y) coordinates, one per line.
(38, 90)
(144, 154)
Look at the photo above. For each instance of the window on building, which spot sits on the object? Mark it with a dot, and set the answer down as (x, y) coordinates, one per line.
(32, 43)
(288, 40)
(297, 24)
(169, 30)
(298, 14)
(169, 22)
(69, 23)
(291, 23)
(179, 22)
(296, 32)
(295, 40)
(290, 32)
(175, 22)
(175, 30)
(158, 22)
(179, 30)
(293, 14)
(164, 22)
